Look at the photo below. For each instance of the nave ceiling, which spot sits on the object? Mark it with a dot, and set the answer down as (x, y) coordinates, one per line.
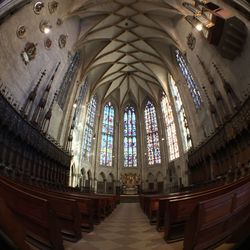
(127, 46)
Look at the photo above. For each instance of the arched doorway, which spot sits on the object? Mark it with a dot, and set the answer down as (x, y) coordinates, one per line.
(151, 182)
(101, 183)
(110, 184)
(160, 182)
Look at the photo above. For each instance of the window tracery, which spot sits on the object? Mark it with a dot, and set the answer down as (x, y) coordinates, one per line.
(152, 135)
(89, 128)
(107, 143)
(130, 149)
(183, 124)
(192, 86)
(170, 128)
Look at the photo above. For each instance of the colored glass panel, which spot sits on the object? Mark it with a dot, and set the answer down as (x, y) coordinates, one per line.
(170, 128)
(153, 144)
(106, 156)
(130, 149)
(192, 86)
(183, 124)
(89, 128)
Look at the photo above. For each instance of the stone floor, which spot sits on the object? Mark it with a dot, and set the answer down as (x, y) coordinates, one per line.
(127, 228)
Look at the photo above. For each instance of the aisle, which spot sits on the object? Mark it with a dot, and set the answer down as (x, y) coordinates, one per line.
(127, 228)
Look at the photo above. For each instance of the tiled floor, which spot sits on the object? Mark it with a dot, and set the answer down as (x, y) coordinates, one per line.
(127, 228)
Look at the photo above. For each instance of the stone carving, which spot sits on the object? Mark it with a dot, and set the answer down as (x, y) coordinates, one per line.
(62, 41)
(191, 41)
(130, 183)
(47, 43)
(59, 21)
(130, 180)
(38, 7)
(52, 6)
(21, 30)
(29, 52)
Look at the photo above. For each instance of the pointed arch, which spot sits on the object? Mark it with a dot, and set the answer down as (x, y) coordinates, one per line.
(89, 174)
(89, 129)
(181, 115)
(152, 135)
(107, 135)
(130, 137)
(170, 128)
(192, 86)
(102, 177)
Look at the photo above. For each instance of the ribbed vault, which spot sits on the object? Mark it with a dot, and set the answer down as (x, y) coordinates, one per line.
(127, 45)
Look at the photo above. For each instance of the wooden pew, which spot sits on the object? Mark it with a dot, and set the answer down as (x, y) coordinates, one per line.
(12, 233)
(36, 215)
(104, 204)
(178, 210)
(213, 221)
(67, 210)
(92, 211)
(150, 204)
(162, 202)
(84, 205)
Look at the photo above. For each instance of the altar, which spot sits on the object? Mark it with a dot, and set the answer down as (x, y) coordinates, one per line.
(129, 190)
(130, 184)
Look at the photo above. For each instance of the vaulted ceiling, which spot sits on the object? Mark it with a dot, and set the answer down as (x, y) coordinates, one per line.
(127, 45)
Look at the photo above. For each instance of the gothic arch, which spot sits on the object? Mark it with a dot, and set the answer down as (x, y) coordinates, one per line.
(111, 177)
(102, 177)
(159, 177)
(89, 174)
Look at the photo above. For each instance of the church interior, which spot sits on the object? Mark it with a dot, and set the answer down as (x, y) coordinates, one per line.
(124, 124)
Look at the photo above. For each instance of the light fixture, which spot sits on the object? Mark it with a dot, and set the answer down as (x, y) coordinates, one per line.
(74, 105)
(199, 26)
(45, 27)
(163, 139)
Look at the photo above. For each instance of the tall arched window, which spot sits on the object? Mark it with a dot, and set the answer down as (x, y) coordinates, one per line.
(107, 135)
(153, 144)
(183, 124)
(170, 128)
(130, 152)
(89, 129)
(192, 86)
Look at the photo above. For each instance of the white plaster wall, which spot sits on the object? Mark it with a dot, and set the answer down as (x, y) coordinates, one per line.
(21, 78)
(236, 73)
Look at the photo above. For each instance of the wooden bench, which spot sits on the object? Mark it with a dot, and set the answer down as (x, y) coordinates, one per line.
(35, 214)
(67, 210)
(178, 210)
(12, 233)
(213, 221)
(103, 204)
(84, 205)
(150, 204)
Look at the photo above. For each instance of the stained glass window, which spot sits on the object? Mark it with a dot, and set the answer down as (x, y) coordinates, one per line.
(89, 129)
(153, 144)
(107, 135)
(183, 124)
(192, 86)
(68, 79)
(170, 128)
(130, 153)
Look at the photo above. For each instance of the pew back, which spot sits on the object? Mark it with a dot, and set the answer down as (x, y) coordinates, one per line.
(214, 220)
(35, 214)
